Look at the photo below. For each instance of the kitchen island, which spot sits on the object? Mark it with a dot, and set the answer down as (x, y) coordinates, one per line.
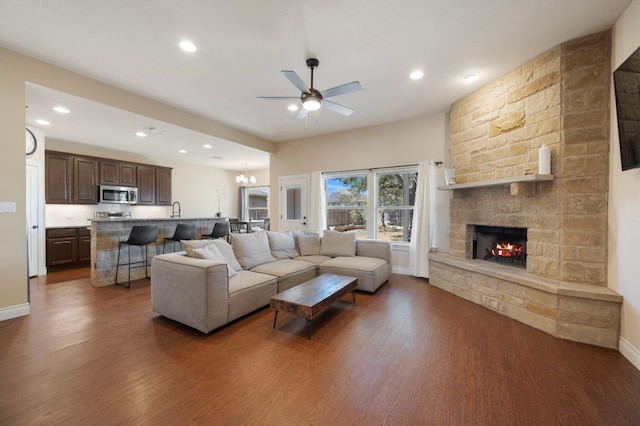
(106, 235)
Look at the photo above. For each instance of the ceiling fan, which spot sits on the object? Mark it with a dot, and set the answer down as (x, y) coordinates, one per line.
(311, 98)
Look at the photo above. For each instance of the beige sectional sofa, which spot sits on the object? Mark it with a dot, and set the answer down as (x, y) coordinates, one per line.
(212, 283)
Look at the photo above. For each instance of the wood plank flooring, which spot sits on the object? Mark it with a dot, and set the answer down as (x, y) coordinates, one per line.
(410, 354)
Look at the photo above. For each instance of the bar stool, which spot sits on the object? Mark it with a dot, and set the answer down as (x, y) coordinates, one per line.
(220, 230)
(139, 236)
(184, 231)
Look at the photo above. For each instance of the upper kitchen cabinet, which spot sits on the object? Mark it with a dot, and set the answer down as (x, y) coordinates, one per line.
(146, 185)
(58, 180)
(163, 186)
(117, 173)
(85, 180)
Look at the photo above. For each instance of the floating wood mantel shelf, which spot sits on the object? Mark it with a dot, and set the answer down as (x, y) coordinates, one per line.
(498, 182)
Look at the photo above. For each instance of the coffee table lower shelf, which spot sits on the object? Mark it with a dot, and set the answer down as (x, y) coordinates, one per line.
(313, 297)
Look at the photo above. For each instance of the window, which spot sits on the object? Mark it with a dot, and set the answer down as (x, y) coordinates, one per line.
(352, 206)
(257, 202)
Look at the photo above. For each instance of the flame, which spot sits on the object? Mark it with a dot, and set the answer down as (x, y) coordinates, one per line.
(507, 249)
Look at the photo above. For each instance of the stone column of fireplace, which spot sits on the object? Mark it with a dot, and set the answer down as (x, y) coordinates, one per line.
(559, 99)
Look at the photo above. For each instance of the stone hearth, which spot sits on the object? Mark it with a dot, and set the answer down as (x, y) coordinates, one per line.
(559, 99)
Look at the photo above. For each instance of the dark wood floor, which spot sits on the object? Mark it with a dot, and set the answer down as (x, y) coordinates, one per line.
(409, 354)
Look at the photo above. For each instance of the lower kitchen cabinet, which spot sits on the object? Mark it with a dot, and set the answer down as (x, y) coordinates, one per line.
(68, 247)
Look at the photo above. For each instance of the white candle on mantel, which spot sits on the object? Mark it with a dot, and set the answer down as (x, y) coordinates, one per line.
(544, 160)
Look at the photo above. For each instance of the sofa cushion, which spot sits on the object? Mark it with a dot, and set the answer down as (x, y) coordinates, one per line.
(227, 251)
(223, 246)
(249, 291)
(338, 243)
(315, 259)
(289, 272)
(283, 245)
(370, 271)
(308, 244)
(211, 252)
(251, 249)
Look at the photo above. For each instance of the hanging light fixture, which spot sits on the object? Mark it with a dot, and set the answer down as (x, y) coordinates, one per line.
(245, 178)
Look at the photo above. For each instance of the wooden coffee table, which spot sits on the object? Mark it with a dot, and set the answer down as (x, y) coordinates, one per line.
(313, 297)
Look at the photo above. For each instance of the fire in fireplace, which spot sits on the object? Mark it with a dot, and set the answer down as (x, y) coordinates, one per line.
(505, 245)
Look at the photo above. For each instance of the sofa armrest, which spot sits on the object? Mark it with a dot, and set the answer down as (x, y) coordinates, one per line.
(374, 248)
(192, 291)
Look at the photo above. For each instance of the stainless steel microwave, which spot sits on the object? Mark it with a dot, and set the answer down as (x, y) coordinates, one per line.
(118, 195)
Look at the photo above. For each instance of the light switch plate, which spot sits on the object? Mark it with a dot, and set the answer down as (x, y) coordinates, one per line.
(8, 207)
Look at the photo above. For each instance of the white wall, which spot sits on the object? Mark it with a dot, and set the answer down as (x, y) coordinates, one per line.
(624, 204)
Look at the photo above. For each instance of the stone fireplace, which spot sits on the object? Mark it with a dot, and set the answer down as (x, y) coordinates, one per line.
(559, 99)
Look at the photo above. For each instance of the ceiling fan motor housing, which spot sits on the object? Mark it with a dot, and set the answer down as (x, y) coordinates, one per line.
(312, 63)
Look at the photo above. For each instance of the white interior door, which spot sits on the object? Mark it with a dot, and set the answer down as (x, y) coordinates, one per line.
(294, 203)
(33, 220)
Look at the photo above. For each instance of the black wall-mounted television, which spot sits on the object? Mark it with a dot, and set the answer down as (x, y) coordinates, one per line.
(626, 81)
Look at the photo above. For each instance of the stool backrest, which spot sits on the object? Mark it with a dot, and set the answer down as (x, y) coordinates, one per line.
(142, 235)
(220, 229)
(184, 231)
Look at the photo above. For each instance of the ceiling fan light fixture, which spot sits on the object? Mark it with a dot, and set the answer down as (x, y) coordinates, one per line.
(311, 104)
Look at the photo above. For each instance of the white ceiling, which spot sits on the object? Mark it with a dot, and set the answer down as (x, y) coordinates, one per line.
(243, 45)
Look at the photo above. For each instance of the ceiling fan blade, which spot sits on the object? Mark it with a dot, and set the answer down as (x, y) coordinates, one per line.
(302, 113)
(297, 81)
(279, 98)
(342, 89)
(337, 107)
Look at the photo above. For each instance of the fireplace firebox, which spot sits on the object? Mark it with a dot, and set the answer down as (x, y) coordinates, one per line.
(500, 244)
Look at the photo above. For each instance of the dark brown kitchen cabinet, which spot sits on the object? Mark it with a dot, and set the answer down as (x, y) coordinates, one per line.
(117, 173)
(58, 178)
(84, 246)
(163, 186)
(146, 185)
(68, 247)
(85, 180)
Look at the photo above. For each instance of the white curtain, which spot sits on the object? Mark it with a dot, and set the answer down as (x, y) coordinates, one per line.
(317, 217)
(423, 226)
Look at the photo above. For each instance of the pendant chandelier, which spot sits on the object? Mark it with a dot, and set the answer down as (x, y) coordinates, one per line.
(245, 178)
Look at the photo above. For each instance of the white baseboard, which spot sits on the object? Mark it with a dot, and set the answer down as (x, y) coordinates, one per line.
(630, 352)
(400, 270)
(14, 312)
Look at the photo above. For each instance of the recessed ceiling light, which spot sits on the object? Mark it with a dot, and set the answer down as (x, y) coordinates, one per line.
(141, 134)
(43, 122)
(182, 151)
(416, 75)
(292, 107)
(61, 110)
(187, 46)
(470, 77)
(206, 146)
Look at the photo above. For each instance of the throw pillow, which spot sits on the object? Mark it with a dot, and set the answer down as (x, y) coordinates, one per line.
(283, 245)
(308, 244)
(251, 249)
(190, 245)
(338, 243)
(227, 251)
(211, 252)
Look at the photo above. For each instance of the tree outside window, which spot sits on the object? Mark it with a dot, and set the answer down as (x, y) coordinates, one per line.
(349, 203)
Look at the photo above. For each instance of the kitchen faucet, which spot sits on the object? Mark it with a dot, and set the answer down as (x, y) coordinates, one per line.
(173, 209)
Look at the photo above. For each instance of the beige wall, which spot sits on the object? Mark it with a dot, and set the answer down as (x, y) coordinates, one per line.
(394, 144)
(624, 204)
(15, 71)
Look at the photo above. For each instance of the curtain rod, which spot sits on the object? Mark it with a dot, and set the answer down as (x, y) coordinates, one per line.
(437, 163)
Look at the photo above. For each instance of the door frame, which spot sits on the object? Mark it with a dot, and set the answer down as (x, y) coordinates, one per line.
(41, 262)
(282, 198)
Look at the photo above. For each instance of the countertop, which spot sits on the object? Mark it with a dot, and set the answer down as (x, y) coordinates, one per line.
(148, 219)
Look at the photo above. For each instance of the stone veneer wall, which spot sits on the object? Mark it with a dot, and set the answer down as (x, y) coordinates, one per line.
(560, 99)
